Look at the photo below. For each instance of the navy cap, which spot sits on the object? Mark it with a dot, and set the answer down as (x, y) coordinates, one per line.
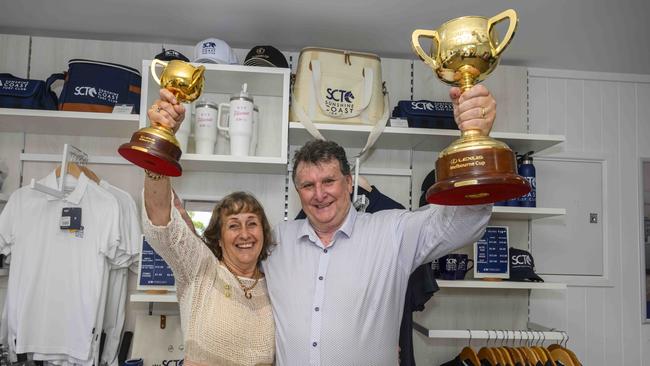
(268, 56)
(168, 55)
(522, 266)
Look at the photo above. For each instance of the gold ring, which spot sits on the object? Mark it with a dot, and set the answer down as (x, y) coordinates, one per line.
(156, 108)
(482, 112)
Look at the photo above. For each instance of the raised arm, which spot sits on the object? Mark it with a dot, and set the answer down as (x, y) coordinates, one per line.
(167, 112)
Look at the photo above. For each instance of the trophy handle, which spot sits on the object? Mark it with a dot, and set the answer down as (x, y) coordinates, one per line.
(415, 42)
(514, 21)
(154, 63)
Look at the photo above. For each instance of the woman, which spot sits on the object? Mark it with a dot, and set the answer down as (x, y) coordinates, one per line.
(225, 309)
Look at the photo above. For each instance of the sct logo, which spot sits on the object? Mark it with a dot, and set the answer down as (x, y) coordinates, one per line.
(422, 106)
(170, 363)
(521, 259)
(209, 45)
(85, 91)
(340, 95)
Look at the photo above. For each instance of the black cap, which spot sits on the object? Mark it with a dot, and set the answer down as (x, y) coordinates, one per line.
(268, 56)
(168, 55)
(522, 266)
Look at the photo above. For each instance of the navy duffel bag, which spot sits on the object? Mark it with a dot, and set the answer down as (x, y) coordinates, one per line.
(97, 86)
(26, 93)
(426, 114)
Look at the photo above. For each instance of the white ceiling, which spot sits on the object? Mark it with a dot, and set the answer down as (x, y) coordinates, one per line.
(591, 35)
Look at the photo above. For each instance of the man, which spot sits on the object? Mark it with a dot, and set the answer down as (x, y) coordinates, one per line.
(337, 279)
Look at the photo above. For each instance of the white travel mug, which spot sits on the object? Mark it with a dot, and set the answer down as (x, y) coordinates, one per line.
(183, 133)
(205, 127)
(240, 122)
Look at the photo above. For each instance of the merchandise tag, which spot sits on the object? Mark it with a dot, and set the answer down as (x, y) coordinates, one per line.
(71, 218)
(123, 108)
(398, 122)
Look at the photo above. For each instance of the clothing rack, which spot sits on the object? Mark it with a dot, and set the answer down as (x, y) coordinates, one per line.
(493, 334)
(70, 154)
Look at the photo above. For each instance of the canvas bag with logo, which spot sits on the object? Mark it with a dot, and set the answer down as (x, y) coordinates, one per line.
(158, 340)
(97, 86)
(338, 86)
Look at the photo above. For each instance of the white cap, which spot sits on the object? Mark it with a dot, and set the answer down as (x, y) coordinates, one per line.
(213, 50)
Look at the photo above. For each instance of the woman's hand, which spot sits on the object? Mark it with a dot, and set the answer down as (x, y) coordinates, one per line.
(475, 109)
(166, 111)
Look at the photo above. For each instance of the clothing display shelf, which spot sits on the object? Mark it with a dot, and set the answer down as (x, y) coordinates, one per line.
(496, 335)
(480, 284)
(142, 296)
(46, 122)
(269, 88)
(422, 139)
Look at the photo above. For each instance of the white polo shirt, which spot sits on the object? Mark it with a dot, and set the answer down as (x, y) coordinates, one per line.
(55, 277)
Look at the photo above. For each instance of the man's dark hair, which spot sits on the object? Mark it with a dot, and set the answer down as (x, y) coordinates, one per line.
(320, 151)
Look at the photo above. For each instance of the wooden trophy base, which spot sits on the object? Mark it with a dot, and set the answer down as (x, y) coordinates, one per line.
(154, 149)
(474, 175)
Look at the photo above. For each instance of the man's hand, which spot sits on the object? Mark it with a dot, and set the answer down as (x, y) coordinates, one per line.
(475, 109)
(166, 111)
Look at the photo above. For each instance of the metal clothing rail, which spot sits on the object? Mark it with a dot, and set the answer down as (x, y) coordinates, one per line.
(493, 334)
(71, 154)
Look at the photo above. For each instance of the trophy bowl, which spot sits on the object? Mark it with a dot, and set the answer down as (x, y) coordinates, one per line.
(474, 169)
(155, 148)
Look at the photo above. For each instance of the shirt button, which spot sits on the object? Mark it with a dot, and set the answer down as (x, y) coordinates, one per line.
(314, 344)
(324, 250)
(317, 308)
(320, 278)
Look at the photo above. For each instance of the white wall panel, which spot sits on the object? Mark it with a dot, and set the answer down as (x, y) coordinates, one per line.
(50, 55)
(601, 115)
(14, 57)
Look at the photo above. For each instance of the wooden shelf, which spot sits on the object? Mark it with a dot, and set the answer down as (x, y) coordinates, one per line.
(525, 213)
(424, 139)
(501, 285)
(47, 122)
(145, 297)
(190, 162)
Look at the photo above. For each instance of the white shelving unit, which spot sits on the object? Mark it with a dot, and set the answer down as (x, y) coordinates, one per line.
(46, 122)
(425, 139)
(501, 285)
(4, 272)
(525, 213)
(145, 297)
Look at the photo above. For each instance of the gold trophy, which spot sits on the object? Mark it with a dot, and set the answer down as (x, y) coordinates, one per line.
(156, 148)
(474, 169)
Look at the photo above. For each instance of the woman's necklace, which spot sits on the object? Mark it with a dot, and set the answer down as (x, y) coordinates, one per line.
(247, 289)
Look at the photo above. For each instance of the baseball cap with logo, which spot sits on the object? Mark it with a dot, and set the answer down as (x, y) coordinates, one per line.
(168, 55)
(522, 266)
(215, 51)
(268, 56)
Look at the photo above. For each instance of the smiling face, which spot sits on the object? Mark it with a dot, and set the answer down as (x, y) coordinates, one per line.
(324, 194)
(242, 238)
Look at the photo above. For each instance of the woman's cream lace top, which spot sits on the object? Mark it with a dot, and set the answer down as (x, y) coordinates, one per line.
(220, 325)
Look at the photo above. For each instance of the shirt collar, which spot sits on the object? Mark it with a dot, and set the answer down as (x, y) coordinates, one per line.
(73, 197)
(348, 224)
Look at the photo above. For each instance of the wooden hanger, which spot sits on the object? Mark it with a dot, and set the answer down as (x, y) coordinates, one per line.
(500, 356)
(468, 354)
(539, 353)
(516, 356)
(559, 354)
(529, 355)
(487, 354)
(571, 354)
(75, 170)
